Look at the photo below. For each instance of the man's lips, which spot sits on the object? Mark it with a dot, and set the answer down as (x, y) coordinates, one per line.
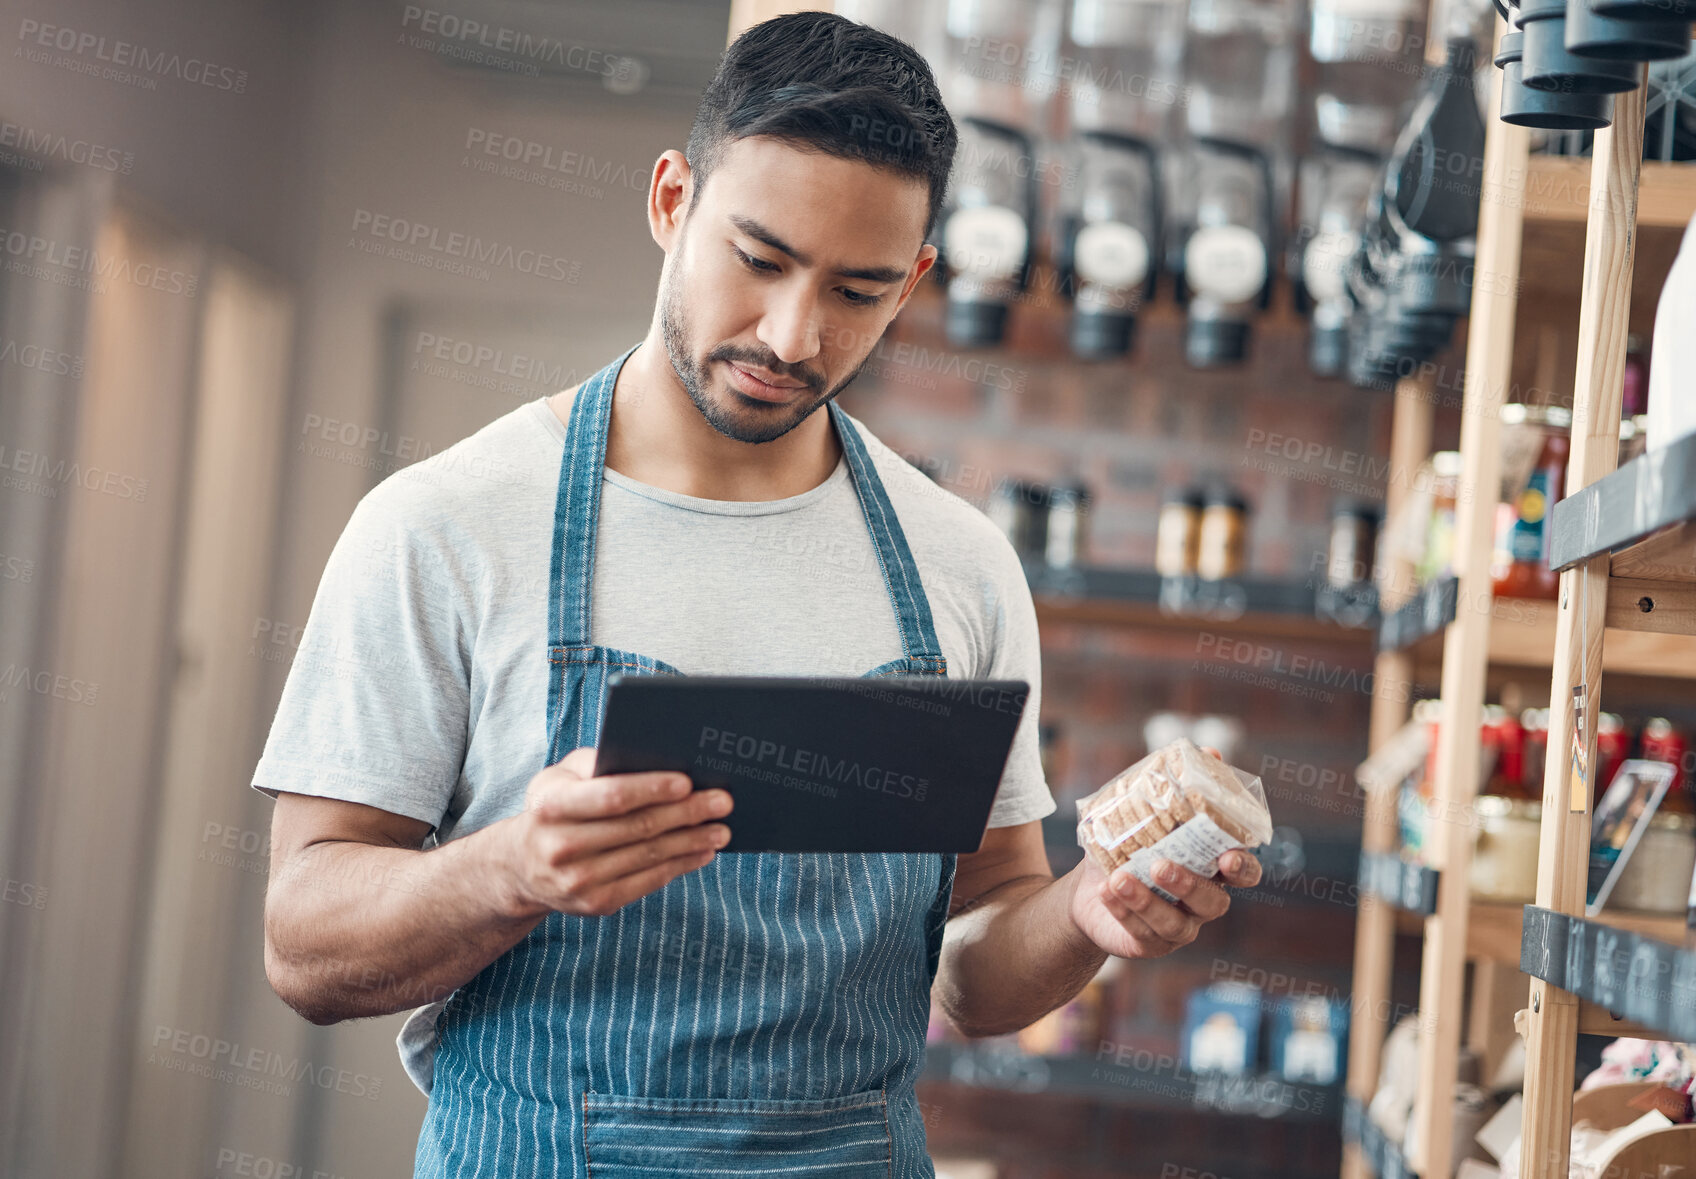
(751, 385)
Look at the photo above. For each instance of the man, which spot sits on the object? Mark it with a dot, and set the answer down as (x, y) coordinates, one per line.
(598, 988)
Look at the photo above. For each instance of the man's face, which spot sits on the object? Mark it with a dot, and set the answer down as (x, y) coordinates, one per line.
(782, 278)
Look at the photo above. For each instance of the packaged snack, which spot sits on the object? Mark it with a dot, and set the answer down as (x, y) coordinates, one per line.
(1176, 804)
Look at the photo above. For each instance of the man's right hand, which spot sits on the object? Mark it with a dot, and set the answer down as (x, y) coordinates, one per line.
(589, 846)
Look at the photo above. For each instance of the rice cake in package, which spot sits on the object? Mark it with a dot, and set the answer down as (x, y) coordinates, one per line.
(1176, 804)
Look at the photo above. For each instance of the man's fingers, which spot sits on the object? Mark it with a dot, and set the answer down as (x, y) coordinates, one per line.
(1196, 893)
(558, 795)
(627, 859)
(614, 895)
(580, 761)
(586, 837)
(1166, 920)
(1239, 869)
(1132, 923)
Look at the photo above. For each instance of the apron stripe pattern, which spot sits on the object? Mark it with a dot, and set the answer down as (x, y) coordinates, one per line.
(763, 1015)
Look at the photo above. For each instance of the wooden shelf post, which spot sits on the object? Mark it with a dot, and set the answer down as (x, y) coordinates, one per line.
(1563, 854)
(1489, 367)
(1392, 679)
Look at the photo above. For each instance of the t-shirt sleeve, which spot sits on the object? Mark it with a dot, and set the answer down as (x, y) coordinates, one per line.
(375, 708)
(1016, 654)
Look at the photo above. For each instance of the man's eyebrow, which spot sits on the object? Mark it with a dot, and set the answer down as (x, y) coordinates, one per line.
(865, 273)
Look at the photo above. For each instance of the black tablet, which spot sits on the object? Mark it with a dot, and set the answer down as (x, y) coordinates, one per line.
(896, 764)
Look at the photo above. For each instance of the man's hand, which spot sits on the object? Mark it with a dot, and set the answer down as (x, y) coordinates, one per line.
(589, 846)
(1123, 916)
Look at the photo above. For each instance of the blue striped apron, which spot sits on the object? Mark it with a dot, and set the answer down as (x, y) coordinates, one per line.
(763, 1015)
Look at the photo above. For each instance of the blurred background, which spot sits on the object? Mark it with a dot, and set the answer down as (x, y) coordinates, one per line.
(235, 295)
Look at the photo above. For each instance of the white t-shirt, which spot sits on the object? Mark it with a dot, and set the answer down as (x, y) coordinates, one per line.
(420, 683)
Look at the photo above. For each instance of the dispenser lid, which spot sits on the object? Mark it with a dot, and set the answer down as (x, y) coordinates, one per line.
(1212, 343)
(975, 324)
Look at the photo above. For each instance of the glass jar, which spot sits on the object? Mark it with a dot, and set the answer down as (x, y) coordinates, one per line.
(1535, 722)
(1177, 538)
(1224, 536)
(1656, 879)
(1504, 848)
(1438, 559)
(1521, 566)
(1068, 509)
(1354, 529)
(1662, 741)
(1128, 74)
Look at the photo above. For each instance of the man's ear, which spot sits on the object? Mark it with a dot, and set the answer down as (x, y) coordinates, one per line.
(927, 259)
(670, 189)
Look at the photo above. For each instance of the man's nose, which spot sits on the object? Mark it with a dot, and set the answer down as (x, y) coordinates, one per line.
(790, 326)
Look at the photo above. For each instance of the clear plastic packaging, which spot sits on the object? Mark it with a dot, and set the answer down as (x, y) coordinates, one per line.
(1176, 804)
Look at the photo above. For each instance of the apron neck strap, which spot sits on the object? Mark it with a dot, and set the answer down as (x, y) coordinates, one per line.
(577, 507)
(900, 571)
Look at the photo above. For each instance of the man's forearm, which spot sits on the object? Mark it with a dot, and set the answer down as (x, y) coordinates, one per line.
(1014, 956)
(355, 929)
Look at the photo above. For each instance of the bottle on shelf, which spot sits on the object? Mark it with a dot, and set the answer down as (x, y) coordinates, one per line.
(1366, 55)
(1001, 60)
(1222, 243)
(1672, 398)
(1521, 565)
(1334, 186)
(1240, 67)
(1107, 239)
(986, 231)
(1177, 537)
(1128, 73)
(1224, 535)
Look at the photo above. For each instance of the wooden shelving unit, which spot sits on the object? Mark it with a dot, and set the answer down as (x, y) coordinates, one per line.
(1627, 561)
(1537, 217)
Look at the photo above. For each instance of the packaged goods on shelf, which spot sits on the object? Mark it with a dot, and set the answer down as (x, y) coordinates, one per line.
(1222, 1029)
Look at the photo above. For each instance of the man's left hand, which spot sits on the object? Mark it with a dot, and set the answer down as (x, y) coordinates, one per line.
(1123, 916)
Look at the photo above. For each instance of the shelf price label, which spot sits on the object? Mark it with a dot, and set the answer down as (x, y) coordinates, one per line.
(1542, 949)
(1682, 1024)
(1612, 956)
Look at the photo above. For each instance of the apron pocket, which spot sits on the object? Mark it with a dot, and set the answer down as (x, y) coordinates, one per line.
(660, 1137)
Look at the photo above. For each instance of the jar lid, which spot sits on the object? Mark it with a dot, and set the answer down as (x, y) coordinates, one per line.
(1189, 497)
(1226, 497)
(1497, 806)
(1359, 508)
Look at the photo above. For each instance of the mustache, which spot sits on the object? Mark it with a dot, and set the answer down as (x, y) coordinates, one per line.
(770, 363)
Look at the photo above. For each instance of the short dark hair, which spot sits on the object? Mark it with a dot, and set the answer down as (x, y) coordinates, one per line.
(824, 83)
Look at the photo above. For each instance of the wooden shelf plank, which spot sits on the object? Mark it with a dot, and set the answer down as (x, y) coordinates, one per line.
(1141, 1080)
(1522, 634)
(1660, 607)
(1141, 598)
(1558, 193)
(1668, 555)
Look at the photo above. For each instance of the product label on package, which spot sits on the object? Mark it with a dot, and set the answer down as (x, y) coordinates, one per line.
(1197, 845)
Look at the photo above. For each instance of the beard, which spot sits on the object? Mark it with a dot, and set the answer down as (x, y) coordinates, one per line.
(728, 410)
